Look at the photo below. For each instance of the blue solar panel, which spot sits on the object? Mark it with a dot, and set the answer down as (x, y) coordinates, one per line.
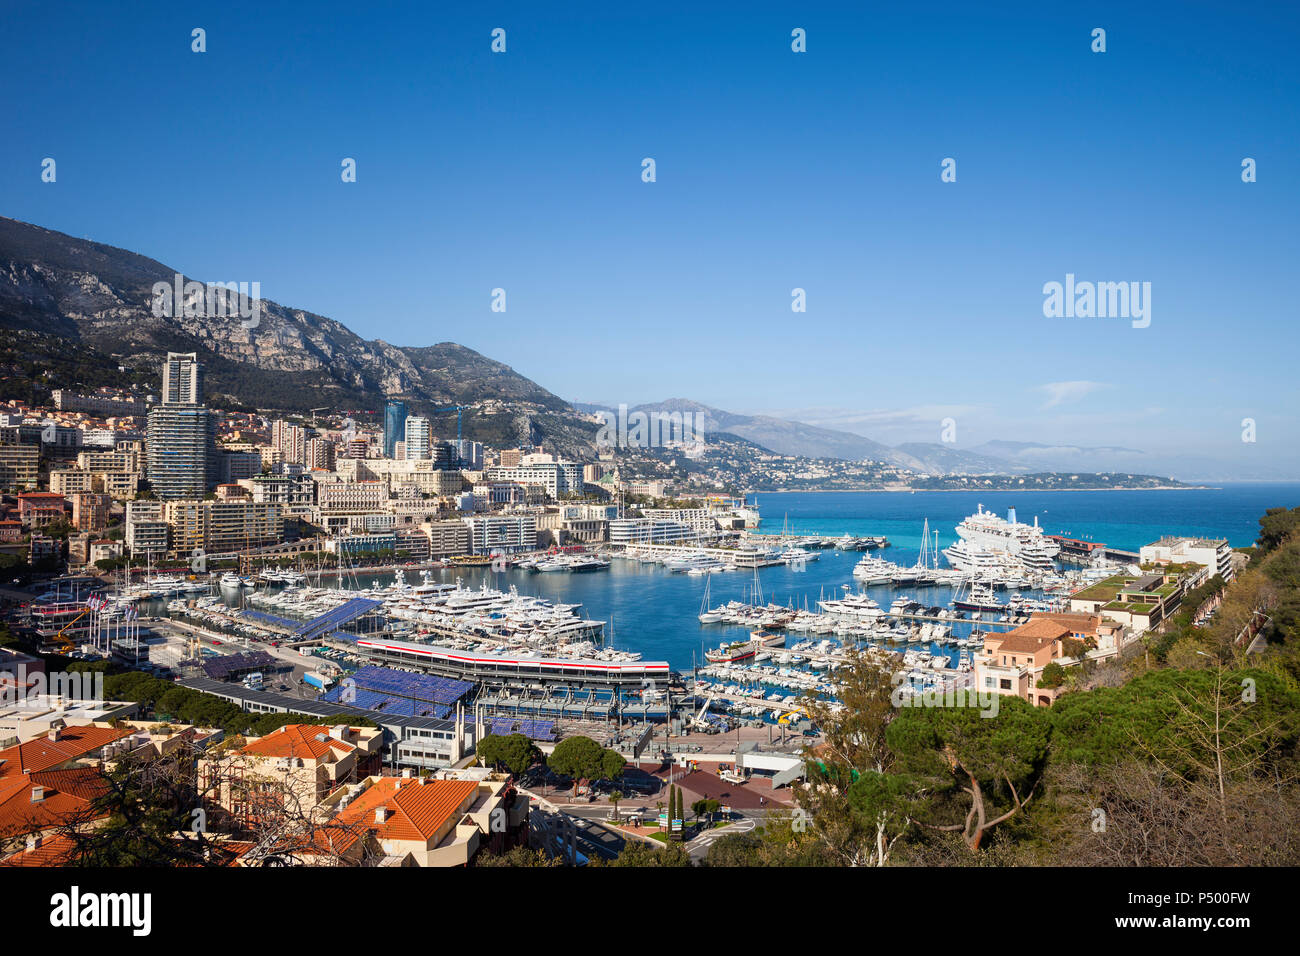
(426, 687)
(332, 620)
(271, 619)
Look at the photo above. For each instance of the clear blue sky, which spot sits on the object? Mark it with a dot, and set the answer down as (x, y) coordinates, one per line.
(775, 170)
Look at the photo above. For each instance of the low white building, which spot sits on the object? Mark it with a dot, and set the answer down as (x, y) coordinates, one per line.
(1215, 555)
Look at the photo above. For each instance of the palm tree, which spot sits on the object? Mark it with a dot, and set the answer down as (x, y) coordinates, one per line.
(614, 798)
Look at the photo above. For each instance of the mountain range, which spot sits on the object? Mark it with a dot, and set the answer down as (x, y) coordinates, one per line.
(812, 441)
(55, 289)
(101, 298)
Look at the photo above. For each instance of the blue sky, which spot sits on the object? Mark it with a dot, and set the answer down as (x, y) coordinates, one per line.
(775, 170)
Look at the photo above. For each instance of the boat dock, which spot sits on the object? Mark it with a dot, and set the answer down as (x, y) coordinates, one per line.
(1079, 551)
(739, 557)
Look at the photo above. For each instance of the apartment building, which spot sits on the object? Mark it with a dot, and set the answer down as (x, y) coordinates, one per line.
(557, 477)
(289, 771)
(36, 509)
(1214, 555)
(290, 440)
(222, 526)
(502, 533)
(90, 511)
(1012, 663)
(447, 538)
(19, 467)
(436, 821)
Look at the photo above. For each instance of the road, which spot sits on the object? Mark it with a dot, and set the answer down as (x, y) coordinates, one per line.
(698, 848)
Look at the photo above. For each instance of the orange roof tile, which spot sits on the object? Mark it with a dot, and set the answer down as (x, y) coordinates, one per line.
(296, 740)
(43, 753)
(416, 811)
(53, 851)
(19, 813)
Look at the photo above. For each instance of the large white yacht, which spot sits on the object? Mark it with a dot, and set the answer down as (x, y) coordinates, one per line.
(857, 606)
(988, 542)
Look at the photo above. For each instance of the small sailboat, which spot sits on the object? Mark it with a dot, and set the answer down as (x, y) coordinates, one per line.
(707, 614)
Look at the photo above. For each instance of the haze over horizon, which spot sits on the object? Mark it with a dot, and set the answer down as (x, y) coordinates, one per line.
(774, 171)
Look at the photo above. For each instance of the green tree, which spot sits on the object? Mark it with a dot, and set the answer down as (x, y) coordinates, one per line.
(977, 769)
(637, 853)
(576, 758)
(515, 752)
(519, 856)
(1053, 675)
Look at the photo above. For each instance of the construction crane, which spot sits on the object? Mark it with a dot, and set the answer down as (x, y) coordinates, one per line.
(66, 644)
(313, 414)
(457, 410)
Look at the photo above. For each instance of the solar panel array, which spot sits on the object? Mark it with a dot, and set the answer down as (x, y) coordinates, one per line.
(532, 729)
(275, 619)
(220, 668)
(384, 703)
(424, 687)
(332, 620)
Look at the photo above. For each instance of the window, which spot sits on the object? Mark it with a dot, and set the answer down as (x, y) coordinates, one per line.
(1006, 684)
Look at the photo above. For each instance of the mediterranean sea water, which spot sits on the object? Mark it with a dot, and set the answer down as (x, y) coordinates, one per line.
(649, 609)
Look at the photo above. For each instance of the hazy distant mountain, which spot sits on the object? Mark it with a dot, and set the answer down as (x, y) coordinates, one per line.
(947, 459)
(786, 437)
(775, 434)
(101, 298)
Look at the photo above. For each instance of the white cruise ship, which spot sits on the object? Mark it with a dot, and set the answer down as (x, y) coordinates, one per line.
(987, 541)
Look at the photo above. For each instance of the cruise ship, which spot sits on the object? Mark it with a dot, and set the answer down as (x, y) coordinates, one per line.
(988, 542)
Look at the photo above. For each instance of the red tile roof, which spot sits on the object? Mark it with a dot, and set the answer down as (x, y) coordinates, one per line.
(415, 810)
(297, 740)
(43, 753)
(20, 813)
(53, 851)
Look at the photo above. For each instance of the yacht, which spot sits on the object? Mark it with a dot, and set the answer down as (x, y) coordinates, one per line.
(857, 606)
(872, 571)
(980, 598)
(988, 541)
(732, 653)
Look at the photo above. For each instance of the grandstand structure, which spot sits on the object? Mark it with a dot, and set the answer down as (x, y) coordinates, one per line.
(543, 730)
(510, 670)
(233, 665)
(389, 691)
(334, 620)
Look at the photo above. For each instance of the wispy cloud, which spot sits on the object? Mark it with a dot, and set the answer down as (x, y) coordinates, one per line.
(1061, 393)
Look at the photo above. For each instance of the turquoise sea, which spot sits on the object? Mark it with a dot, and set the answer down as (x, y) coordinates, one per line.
(654, 611)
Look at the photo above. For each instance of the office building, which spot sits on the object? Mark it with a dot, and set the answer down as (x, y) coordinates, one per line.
(419, 438)
(394, 426)
(182, 379)
(182, 450)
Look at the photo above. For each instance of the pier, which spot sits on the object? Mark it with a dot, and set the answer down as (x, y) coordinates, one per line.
(1079, 551)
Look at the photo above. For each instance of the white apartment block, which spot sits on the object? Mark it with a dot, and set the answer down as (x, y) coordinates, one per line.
(502, 533)
(1213, 555)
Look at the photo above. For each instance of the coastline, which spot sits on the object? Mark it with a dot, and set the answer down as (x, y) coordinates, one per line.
(907, 490)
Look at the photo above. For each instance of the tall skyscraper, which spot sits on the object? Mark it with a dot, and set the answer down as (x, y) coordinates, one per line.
(291, 440)
(182, 450)
(419, 438)
(181, 458)
(394, 426)
(182, 379)
(320, 454)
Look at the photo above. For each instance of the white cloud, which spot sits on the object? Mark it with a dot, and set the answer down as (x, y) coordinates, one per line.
(1059, 393)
